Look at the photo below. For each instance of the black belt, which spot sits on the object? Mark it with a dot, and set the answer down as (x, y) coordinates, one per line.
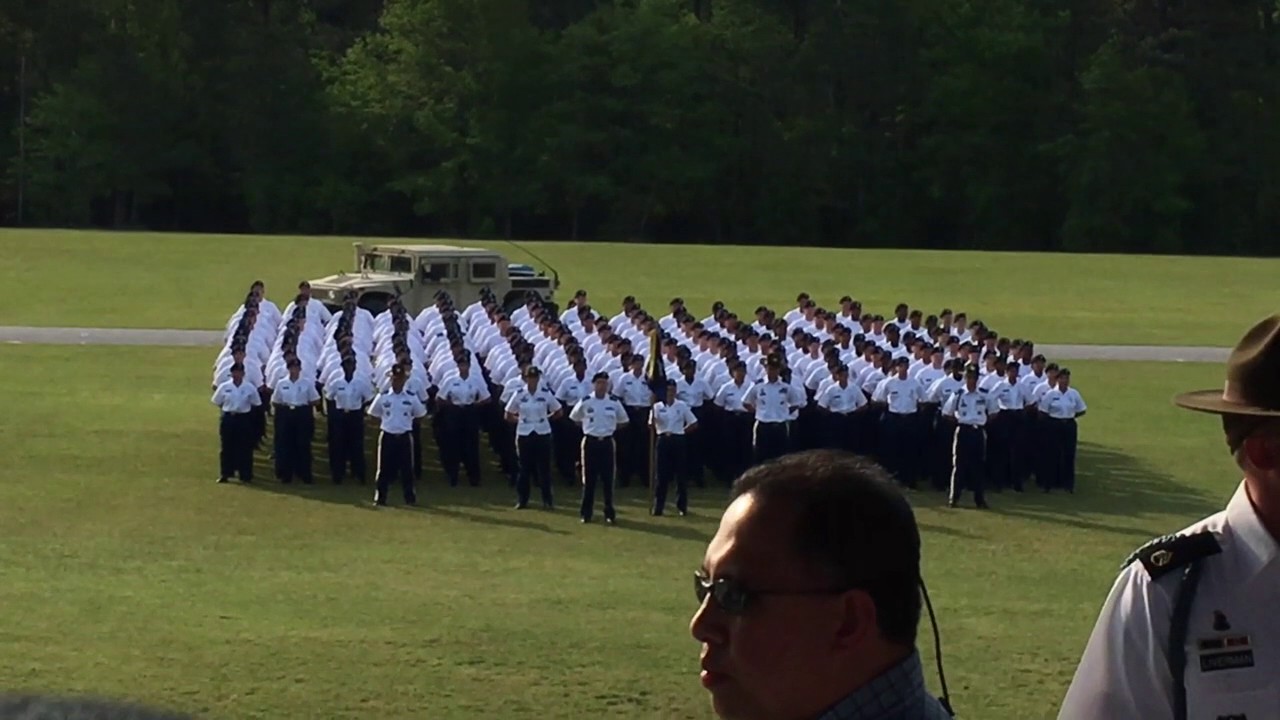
(668, 434)
(971, 425)
(399, 434)
(600, 438)
(232, 412)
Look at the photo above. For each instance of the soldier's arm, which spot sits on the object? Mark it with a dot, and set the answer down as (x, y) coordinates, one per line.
(1124, 671)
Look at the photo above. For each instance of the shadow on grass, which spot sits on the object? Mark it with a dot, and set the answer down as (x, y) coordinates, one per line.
(492, 502)
(1110, 484)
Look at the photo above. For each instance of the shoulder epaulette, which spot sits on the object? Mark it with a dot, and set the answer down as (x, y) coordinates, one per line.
(1171, 552)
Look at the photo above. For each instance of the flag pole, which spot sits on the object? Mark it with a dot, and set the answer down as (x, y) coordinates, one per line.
(655, 374)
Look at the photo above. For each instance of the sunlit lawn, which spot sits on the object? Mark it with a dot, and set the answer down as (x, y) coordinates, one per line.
(193, 281)
(128, 572)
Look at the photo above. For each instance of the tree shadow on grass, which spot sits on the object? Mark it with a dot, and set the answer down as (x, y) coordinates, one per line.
(1110, 484)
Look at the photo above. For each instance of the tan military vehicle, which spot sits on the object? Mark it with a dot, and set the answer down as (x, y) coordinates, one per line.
(414, 273)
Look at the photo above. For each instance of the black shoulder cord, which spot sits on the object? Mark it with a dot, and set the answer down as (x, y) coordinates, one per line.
(937, 653)
(1177, 649)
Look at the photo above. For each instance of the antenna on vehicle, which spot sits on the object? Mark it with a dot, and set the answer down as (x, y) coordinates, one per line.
(534, 255)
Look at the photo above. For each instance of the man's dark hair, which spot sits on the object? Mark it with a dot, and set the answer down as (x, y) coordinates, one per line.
(853, 524)
(37, 707)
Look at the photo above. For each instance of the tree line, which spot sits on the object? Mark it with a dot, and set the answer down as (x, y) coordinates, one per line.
(1079, 125)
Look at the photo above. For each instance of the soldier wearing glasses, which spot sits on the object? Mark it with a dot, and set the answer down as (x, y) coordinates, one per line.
(809, 596)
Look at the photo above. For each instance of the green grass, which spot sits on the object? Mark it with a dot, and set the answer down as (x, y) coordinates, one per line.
(128, 572)
(190, 281)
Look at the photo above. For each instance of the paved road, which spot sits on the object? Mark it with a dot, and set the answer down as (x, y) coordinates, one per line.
(213, 338)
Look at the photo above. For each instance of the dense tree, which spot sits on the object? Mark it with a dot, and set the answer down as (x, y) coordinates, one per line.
(1084, 125)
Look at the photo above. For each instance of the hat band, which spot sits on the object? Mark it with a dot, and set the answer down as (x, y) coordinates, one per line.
(1230, 395)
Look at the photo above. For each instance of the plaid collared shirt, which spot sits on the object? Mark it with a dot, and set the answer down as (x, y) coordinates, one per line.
(898, 694)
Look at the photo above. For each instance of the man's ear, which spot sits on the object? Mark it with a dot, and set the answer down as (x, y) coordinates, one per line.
(858, 619)
(1263, 452)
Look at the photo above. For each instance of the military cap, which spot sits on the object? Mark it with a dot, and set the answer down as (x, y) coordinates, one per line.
(349, 361)
(1038, 358)
(397, 371)
(1064, 372)
(1051, 367)
(237, 367)
(773, 361)
(842, 369)
(532, 372)
(600, 376)
(293, 362)
(971, 371)
(901, 361)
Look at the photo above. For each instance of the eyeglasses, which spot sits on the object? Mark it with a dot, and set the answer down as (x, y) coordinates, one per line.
(732, 597)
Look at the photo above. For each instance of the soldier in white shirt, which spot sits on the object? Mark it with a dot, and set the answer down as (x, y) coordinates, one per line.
(315, 310)
(632, 389)
(600, 416)
(840, 402)
(1004, 431)
(672, 420)
(460, 402)
(236, 399)
(294, 402)
(566, 435)
(531, 409)
(970, 408)
(697, 394)
(942, 430)
(1059, 408)
(732, 451)
(900, 432)
(348, 396)
(1189, 629)
(771, 401)
(396, 409)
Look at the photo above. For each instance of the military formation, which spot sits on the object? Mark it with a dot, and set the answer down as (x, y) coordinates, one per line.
(585, 400)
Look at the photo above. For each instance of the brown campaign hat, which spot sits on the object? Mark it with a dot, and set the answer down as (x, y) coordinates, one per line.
(1253, 377)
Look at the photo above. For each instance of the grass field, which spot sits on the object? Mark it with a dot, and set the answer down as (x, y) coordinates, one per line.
(188, 281)
(129, 572)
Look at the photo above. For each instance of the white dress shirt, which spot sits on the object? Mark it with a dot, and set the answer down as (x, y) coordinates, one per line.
(464, 391)
(673, 419)
(773, 401)
(397, 411)
(533, 411)
(348, 395)
(1124, 672)
(295, 393)
(903, 396)
(730, 395)
(234, 398)
(842, 400)
(600, 417)
(969, 407)
(632, 390)
(1061, 405)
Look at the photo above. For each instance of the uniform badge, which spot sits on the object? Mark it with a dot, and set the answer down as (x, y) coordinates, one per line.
(1229, 652)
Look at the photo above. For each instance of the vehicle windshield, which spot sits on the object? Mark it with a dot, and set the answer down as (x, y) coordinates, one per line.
(388, 263)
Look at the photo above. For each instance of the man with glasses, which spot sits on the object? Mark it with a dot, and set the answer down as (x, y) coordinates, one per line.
(1189, 628)
(809, 596)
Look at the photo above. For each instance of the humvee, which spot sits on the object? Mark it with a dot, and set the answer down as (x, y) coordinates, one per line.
(415, 272)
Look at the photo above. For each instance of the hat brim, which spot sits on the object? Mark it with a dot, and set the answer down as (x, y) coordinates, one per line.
(1211, 401)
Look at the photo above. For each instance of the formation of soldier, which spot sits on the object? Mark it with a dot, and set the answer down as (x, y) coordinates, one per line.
(940, 401)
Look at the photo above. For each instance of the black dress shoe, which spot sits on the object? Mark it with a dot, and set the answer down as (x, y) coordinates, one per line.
(584, 521)
(683, 513)
(222, 479)
(952, 503)
(983, 506)
(610, 521)
(521, 506)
